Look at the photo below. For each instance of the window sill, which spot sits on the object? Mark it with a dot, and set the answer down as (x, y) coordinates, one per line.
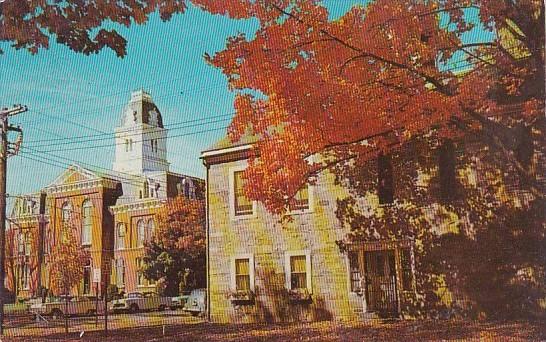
(242, 298)
(299, 296)
(243, 217)
(296, 212)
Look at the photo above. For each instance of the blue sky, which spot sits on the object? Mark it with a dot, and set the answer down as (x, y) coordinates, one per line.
(72, 95)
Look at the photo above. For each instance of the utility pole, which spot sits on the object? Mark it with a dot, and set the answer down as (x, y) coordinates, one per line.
(5, 113)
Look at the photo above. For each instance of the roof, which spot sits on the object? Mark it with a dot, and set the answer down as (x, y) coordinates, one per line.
(141, 109)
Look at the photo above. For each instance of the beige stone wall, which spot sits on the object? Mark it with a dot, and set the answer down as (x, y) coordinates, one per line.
(267, 240)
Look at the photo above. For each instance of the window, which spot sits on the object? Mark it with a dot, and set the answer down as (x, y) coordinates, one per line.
(242, 205)
(25, 275)
(141, 231)
(354, 271)
(150, 229)
(126, 145)
(298, 270)
(189, 189)
(301, 199)
(120, 272)
(385, 183)
(120, 238)
(28, 244)
(146, 189)
(298, 276)
(66, 213)
(21, 244)
(130, 144)
(87, 222)
(87, 278)
(407, 272)
(524, 148)
(447, 171)
(242, 273)
(139, 273)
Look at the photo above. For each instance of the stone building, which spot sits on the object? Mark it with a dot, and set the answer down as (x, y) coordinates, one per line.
(113, 211)
(263, 269)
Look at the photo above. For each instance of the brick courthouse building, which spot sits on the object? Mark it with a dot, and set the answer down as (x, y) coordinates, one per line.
(113, 211)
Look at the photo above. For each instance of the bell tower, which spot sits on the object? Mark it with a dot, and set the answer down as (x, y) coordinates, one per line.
(141, 139)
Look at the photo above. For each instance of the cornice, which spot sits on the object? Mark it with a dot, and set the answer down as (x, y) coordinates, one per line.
(138, 205)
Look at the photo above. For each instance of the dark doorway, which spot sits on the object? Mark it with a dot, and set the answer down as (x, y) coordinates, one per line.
(381, 282)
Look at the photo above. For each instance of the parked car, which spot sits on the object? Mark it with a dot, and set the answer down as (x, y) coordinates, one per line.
(136, 301)
(76, 306)
(196, 303)
(178, 302)
(16, 309)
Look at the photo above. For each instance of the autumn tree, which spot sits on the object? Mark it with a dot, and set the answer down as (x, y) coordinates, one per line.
(176, 253)
(376, 78)
(66, 263)
(390, 86)
(80, 25)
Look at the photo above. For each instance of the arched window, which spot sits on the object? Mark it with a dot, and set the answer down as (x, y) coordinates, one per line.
(120, 236)
(151, 228)
(66, 213)
(141, 231)
(87, 222)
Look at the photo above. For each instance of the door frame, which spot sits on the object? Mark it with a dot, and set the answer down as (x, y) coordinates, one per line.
(382, 245)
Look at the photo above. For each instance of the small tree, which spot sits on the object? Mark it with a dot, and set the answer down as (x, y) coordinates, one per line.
(176, 254)
(67, 260)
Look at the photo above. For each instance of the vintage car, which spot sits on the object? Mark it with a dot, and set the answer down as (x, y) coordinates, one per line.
(178, 302)
(71, 306)
(136, 301)
(196, 303)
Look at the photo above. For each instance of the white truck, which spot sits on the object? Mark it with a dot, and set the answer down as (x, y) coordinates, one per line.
(76, 306)
(136, 301)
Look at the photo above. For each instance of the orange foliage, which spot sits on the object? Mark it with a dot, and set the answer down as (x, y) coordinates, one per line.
(374, 79)
(67, 261)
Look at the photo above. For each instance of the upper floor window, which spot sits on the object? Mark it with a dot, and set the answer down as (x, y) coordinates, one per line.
(21, 244)
(385, 181)
(146, 189)
(66, 213)
(150, 229)
(28, 244)
(301, 199)
(189, 188)
(87, 222)
(447, 170)
(120, 236)
(141, 233)
(242, 205)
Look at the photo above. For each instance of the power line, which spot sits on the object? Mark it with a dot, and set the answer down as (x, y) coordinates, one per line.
(108, 136)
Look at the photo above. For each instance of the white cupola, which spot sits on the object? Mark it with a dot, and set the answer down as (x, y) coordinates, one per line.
(141, 139)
